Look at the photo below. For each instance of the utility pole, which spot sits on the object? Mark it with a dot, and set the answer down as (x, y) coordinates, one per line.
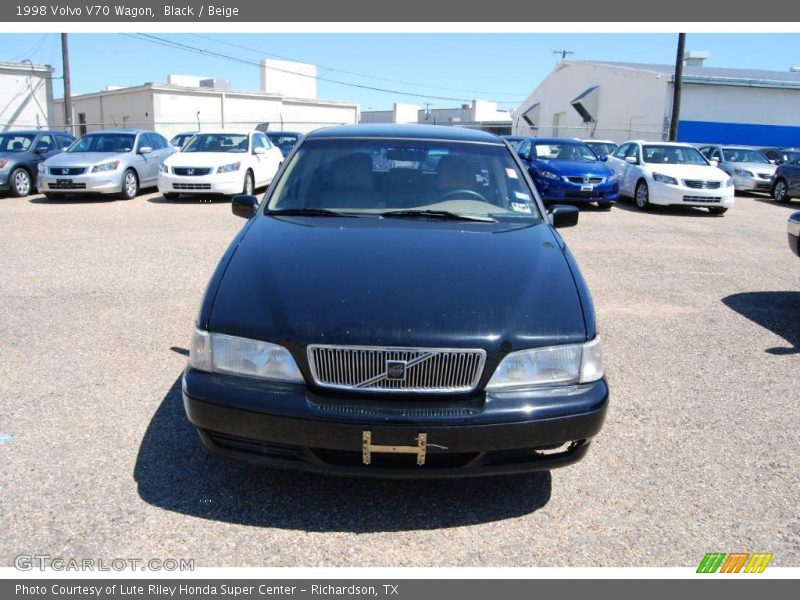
(67, 88)
(562, 54)
(676, 89)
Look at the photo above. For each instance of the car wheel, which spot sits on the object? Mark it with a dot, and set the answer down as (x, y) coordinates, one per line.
(130, 185)
(717, 210)
(779, 192)
(604, 205)
(249, 185)
(642, 195)
(54, 196)
(20, 182)
(170, 196)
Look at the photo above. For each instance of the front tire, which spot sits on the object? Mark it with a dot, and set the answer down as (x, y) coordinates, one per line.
(779, 192)
(717, 210)
(642, 195)
(249, 187)
(21, 184)
(130, 185)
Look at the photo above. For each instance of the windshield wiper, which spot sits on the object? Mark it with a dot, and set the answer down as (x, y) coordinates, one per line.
(309, 212)
(444, 215)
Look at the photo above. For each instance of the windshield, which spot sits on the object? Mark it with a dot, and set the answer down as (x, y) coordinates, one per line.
(10, 142)
(104, 142)
(283, 140)
(791, 155)
(376, 176)
(673, 155)
(564, 151)
(180, 139)
(602, 148)
(744, 155)
(217, 142)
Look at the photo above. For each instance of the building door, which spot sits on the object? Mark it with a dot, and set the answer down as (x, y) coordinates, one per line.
(82, 123)
(558, 122)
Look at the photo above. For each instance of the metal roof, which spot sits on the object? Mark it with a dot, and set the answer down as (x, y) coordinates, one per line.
(715, 75)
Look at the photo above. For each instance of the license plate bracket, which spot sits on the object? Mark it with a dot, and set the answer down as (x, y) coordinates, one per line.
(587, 188)
(367, 448)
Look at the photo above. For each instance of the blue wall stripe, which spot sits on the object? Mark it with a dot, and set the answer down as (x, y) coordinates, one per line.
(751, 134)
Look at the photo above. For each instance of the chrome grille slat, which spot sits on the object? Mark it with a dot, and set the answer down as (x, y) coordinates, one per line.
(363, 368)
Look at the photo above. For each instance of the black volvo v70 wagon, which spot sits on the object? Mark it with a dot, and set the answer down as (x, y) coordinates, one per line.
(398, 305)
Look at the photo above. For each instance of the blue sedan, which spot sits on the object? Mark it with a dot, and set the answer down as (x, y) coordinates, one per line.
(568, 170)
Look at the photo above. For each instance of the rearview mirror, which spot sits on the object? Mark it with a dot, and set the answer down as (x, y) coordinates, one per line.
(563, 215)
(632, 160)
(244, 205)
(145, 150)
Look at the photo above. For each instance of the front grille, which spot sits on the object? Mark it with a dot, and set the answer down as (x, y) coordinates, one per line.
(703, 199)
(67, 170)
(191, 186)
(371, 369)
(190, 171)
(66, 185)
(700, 184)
(586, 180)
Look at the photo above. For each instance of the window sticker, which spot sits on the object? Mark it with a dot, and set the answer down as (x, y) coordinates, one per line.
(520, 207)
(522, 196)
(511, 173)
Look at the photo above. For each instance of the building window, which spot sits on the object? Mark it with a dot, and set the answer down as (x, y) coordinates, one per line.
(82, 123)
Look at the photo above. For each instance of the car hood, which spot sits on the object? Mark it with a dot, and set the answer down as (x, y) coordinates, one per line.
(574, 168)
(392, 282)
(82, 159)
(204, 159)
(755, 167)
(704, 172)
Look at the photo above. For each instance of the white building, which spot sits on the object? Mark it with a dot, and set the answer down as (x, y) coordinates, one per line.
(622, 101)
(189, 103)
(26, 95)
(478, 114)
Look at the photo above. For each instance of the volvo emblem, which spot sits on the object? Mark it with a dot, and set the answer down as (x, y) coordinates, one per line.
(190, 171)
(396, 370)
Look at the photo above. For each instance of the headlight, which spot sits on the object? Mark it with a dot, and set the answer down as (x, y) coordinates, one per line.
(229, 168)
(660, 178)
(547, 174)
(612, 179)
(555, 365)
(218, 353)
(41, 166)
(743, 172)
(729, 182)
(109, 166)
(164, 168)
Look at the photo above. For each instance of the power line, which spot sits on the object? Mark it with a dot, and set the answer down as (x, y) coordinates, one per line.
(346, 72)
(173, 44)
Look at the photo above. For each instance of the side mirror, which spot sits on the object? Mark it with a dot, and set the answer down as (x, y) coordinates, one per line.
(563, 215)
(714, 162)
(604, 158)
(145, 150)
(772, 161)
(259, 150)
(244, 205)
(632, 160)
(42, 149)
(524, 155)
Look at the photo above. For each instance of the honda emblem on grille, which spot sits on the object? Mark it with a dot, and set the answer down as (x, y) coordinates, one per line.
(396, 370)
(65, 171)
(586, 180)
(190, 171)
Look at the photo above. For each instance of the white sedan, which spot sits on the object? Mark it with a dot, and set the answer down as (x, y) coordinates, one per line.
(223, 162)
(669, 173)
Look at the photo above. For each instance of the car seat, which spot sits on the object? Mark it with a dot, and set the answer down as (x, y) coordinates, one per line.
(455, 173)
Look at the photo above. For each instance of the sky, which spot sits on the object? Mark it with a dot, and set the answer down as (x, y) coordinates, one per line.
(442, 69)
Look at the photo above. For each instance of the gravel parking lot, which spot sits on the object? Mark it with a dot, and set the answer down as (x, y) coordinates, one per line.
(701, 320)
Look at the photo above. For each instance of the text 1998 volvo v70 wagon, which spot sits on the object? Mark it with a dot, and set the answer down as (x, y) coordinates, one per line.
(399, 304)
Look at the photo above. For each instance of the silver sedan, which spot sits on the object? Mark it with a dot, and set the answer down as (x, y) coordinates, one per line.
(119, 162)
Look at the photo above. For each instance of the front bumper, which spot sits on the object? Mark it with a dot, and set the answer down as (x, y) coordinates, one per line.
(666, 194)
(291, 426)
(106, 182)
(793, 232)
(227, 184)
(562, 191)
(752, 184)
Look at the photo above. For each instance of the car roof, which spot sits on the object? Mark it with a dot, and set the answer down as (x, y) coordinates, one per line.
(419, 132)
(657, 143)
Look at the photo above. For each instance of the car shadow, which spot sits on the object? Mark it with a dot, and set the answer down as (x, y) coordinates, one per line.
(191, 199)
(82, 199)
(174, 472)
(792, 205)
(671, 211)
(776, 311)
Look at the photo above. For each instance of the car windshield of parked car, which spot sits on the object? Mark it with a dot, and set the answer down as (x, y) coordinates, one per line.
(744, 155)
(11, 142)
(217, 142)
(282, 140)
(378, 176)
(104, 142)
(564, 151)
(180, 139)
(673, 155)
(791, 156)
(601, 148)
